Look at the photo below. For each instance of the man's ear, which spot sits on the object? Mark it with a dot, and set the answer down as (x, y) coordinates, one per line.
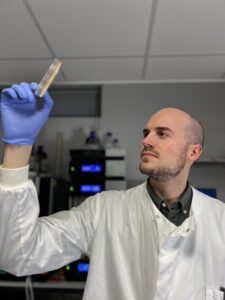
(195, 152)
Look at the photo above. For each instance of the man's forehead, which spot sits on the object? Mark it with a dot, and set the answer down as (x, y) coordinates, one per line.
(171, 118)
(160, 122)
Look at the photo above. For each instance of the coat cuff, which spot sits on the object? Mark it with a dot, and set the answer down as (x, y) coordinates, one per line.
(14, 177)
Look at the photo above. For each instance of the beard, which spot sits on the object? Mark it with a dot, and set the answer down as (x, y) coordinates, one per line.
(163, 174)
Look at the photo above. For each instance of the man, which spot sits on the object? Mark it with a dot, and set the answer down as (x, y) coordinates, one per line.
(160, 240)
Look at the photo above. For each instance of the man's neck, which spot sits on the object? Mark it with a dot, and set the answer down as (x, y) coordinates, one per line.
(169, 191)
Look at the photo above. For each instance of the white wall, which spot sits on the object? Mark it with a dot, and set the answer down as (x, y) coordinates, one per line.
(126, 109)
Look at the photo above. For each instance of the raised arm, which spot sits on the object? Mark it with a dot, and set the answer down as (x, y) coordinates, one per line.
(29, 244)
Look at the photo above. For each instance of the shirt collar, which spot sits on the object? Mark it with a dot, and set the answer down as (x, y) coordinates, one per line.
(183, 203)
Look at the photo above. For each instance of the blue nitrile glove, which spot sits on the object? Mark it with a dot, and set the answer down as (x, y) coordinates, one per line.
(21, 118)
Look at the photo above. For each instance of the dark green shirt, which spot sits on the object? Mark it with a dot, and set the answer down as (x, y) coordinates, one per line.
(178, 211)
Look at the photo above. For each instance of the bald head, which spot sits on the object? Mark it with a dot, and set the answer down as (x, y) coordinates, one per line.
(195, 132)
(193, 129)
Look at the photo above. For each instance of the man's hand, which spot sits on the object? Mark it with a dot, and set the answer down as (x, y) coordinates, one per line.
(21, 118)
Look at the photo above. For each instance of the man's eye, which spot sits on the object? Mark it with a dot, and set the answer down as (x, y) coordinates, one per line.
(145, 133)
(161, 133)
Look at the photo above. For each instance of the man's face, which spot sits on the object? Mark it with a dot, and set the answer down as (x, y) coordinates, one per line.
(164, 147)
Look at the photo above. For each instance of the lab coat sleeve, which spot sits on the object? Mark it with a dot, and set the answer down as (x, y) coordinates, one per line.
(31, 245)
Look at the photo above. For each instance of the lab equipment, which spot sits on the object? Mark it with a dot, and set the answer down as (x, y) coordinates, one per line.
(212, 192)
(87, 171)
(108, 140)
(116, 143)
(92, 141)
(48, 77)
(41, 156)
(94, 170)
(78, 270)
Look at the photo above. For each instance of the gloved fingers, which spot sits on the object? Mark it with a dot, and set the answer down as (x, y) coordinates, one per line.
(47, 101)
(16, 91)
(21, 93)
(28, 91)
(8, 93)
(33, 86)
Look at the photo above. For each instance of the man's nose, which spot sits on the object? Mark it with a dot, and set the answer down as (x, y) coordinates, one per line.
(148, 141)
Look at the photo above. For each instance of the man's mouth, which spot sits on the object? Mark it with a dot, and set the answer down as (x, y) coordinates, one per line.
(149, 153)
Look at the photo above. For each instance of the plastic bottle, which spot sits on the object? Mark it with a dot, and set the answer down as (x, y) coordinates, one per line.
(108, 140)
(116, 143)
(92, 141)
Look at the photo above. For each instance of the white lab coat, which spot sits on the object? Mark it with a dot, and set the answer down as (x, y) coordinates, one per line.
(134, 255)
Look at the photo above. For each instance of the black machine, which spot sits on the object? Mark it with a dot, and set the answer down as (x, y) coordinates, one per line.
(92, 171)
(87, 172)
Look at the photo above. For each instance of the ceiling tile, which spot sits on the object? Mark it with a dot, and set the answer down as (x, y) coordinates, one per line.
(103, 69)
(189, 27)
(177, 68)
(18, 71)
(19, 36)
(94, 28)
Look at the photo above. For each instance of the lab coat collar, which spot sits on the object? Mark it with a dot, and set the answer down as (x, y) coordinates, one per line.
(189, 225)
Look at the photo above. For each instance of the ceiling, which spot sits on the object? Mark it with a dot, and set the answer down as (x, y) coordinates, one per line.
(113, 41)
